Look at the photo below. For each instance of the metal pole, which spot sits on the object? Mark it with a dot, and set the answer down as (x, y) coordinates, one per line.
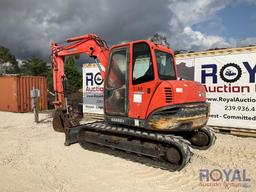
(35, 107)
(36, 110)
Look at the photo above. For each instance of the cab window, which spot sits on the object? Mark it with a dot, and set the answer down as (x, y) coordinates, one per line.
(142, 70)
(165, 65)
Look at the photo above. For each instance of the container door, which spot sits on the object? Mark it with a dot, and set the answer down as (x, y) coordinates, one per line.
(116, 84)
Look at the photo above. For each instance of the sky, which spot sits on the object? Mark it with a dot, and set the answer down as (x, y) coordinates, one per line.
(27, 27)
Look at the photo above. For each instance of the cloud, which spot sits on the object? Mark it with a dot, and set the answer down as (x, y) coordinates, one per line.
(192, 12)
(189, 13)
(192, 40)
(197, 40)
(242, 42)
(28, 26)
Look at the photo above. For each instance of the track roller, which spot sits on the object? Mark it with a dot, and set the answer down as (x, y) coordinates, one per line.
(201, 139)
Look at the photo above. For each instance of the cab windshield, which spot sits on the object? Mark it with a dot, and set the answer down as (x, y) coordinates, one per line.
(165, 65)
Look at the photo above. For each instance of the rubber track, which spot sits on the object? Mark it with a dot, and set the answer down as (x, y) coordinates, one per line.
(140, 134)
(211, 135)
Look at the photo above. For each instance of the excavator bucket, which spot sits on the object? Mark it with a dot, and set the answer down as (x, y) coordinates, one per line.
(62, 121)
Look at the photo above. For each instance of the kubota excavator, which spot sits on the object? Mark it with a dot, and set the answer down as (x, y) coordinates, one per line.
(148, 109)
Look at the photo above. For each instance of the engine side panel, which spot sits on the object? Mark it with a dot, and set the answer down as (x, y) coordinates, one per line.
(175, 92)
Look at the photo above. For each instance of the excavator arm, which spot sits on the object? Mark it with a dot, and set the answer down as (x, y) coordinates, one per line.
(89, 44)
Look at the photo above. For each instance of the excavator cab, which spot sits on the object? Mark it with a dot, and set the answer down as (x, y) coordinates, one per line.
(141, 89)
(132, 76)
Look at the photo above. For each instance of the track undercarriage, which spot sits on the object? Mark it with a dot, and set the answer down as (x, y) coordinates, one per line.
(167, 147)
(173, 147)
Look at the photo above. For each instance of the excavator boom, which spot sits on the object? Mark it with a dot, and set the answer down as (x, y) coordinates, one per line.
(89, 44)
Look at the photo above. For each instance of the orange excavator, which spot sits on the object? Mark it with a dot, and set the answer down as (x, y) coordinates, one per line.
(148, 110)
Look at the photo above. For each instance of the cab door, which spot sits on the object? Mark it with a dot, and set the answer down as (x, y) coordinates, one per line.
(116, 83)
(142, 82)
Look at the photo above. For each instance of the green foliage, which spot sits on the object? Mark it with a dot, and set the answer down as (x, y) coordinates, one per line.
(73, 75)
(50, 80)
(35, 66)
(7, 57)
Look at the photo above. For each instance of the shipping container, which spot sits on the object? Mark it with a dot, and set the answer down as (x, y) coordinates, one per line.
(15, 93)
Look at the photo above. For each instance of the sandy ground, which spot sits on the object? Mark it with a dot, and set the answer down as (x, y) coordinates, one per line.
(33, 158)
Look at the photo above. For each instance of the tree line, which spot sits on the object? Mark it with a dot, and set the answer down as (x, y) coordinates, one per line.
(36, 66)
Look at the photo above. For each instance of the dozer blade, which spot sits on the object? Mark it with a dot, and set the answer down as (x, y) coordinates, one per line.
(71, 133)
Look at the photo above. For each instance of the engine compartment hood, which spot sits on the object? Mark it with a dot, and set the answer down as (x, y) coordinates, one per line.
(185, 91)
